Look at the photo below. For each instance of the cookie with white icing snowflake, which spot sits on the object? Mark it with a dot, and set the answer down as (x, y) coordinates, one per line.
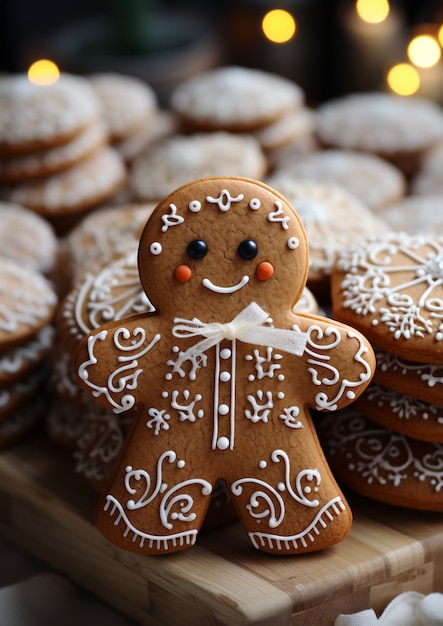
(391, 289)
(381, 464)
(222, 377)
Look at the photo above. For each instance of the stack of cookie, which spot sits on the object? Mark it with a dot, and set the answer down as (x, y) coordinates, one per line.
(27, 307)
(391, 289)
(55, 157)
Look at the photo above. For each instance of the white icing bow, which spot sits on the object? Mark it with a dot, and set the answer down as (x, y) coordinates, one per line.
(247, 326)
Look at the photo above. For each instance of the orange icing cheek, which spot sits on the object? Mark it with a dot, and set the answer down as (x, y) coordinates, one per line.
(264, 271)
(183, 273)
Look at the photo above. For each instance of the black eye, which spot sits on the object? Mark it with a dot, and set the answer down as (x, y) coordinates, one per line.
(197, 249)
(247, 249)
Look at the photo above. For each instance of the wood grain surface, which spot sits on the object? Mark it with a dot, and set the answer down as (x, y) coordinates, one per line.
(47, 509)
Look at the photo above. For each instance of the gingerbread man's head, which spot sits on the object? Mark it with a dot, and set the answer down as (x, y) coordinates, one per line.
(221, 243)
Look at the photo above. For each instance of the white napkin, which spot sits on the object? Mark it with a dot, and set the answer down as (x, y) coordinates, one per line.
(407, 609)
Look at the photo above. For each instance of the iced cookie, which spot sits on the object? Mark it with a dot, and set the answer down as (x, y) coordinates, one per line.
(400, 130)
(427, 181)
(234, 98)
(372, 180)
(391, 289)
(381, 464)
(27, 304)
(222, 377)
(420, 380)
(27, 238)
(332, 217)
(416, 214)
(17, 363)
(34, 117)
(182, 158)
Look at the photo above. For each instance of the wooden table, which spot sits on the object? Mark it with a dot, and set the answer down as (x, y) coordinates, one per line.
(46, 509)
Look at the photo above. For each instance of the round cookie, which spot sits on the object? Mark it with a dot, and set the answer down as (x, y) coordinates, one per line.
(102, 236)
(182, 158)
(402, 413)
(295, 129)
(391, 289)
(395, 128)
(234, 98)
(27, 238)
(33, 117)
(420, 380)
(114, 292)
(415, 214)
(19, 362)
(223, 376)
(74, 191)
(128, 103)
(27, 304)
(372, 180)
(333, 219)
(381, 464)
(17, 168)
(427, 181)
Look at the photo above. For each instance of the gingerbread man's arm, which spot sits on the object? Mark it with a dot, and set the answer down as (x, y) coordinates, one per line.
(111, 362)
(338, 359)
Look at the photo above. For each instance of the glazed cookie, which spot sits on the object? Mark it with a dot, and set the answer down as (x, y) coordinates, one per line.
(181, 158)
(402, 413)
(295, 128)
(27, 238)
(128, 103)
(416, 214)
(27, 304)
(333, 219)
(381, 464)
(113, 293)
(17, 363)
(72, 192)
(33, 117)
(398, 129)
(420, 380)
(235, 99)
(372, 180)
(222, 376)
(101, 237)
(18, 168)
(391, 289)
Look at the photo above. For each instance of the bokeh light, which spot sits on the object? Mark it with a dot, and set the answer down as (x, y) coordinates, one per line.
(424, 51)
(372, 11)
(403, 79)
(43, 72)
(279, 26)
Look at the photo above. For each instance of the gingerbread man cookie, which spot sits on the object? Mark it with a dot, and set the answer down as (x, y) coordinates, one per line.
(223, 375)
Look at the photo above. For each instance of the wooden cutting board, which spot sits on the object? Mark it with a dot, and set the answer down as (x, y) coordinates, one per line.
(47, 510)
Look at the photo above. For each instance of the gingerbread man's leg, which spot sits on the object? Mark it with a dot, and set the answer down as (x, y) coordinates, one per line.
(289, 504)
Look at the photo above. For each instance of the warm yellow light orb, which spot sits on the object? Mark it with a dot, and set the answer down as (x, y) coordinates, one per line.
(403, 79)
(424, 51)
(440, 35)
(278, 26)
(372, 11)
(43, 72)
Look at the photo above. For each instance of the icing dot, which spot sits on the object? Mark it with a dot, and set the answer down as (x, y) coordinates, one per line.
(425, 416)
(194, 206)
(307, 489)
(225, 353)
(163, 487)
(223, 409)
(251, 377)
(165, 394)
(222, 443)
(168, 376)
(175, 349)
(281, 377)
(350, 395)
(262, 464)
(174, 515)
(293, 243)
(200, 413)
(180, 464)
(280, 395)
(183, 273)
(225, 377)
(281, 486)
(155, 248)
(374, 322)
(128, 468)
(254, 204)
(264, 271)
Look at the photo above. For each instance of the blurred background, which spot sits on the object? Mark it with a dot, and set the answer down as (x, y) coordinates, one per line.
(328, 47)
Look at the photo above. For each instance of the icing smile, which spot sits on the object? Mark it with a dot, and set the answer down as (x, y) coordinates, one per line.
(210, 285)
